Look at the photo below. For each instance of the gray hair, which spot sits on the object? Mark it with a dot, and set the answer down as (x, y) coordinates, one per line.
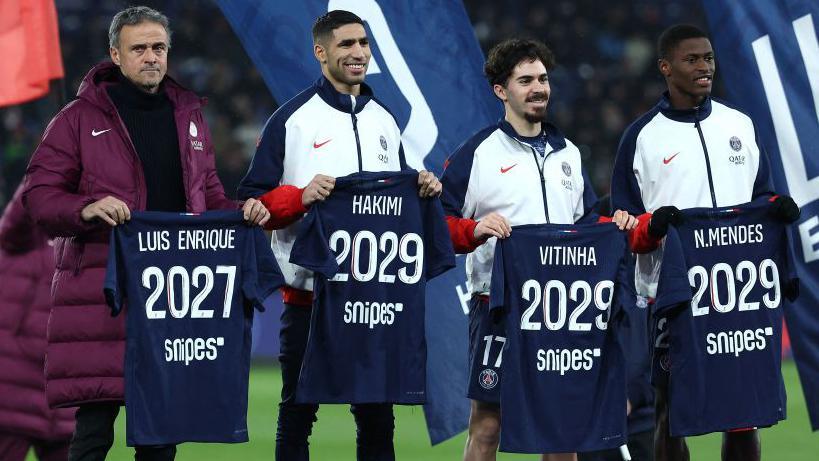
(133, 16)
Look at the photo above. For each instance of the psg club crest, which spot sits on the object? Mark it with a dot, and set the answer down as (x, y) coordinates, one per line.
(488, 379)
(736, 144)
(383, 142)
(567, 170)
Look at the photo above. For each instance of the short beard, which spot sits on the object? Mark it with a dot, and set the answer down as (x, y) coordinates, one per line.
(536, 117)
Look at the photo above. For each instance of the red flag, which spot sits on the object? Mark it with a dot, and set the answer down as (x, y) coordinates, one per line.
(30, 46)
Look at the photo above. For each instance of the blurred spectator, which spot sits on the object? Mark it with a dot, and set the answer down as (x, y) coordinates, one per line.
(26, 265)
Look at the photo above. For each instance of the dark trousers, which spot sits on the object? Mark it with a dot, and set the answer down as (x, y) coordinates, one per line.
(374, 422)
(94, 435)
(15, 447)
(640, 446)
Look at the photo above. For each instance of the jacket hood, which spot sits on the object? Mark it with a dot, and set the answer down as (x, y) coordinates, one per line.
(92, 89)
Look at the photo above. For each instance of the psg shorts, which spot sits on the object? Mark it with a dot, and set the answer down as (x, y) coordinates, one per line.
(487, 340)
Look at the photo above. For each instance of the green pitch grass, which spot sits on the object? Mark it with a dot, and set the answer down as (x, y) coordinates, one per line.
(334, 433)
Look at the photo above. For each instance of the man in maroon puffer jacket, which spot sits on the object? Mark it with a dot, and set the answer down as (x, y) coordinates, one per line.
(26, 264)
(134, 139)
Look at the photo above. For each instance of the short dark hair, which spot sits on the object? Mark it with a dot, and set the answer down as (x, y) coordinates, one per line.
(332, 20)
(672, 37)
(507, 54)
(133, 16)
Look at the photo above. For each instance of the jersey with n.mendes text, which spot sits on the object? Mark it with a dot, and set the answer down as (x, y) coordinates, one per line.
(373, 245)
(724, 346)
(563, 290)
(189, 284)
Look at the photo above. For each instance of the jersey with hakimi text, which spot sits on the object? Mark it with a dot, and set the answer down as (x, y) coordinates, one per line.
(189, 284)
(563, 290)
(373, 244)
(723, 348)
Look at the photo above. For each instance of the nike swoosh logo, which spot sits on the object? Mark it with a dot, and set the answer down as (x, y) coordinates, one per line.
(504, 170)
(316, 145)
(96, 133)
(668, 160)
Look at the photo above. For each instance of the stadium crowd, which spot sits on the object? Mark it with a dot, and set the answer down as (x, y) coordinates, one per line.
(606, 74)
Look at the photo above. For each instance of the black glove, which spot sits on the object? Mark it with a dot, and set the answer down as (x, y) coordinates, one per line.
(661, 218)
(785, 209)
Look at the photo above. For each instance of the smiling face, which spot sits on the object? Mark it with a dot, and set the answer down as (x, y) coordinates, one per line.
(142, 55)
(525, 94)
(689, 72)
(344, 57)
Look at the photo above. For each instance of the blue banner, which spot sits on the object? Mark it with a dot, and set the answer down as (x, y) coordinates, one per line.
(427, 67)
(769, 55)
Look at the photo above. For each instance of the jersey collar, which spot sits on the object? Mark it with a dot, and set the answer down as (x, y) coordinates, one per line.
(340, 101)
(685, 115)
(553, 135)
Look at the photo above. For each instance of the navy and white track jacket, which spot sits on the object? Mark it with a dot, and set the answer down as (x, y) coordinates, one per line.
(319, 131)
(496, 171)
(709, 156)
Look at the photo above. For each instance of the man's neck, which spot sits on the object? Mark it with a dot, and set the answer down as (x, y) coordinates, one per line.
(343, 88)
(682, 101)
(522, 126)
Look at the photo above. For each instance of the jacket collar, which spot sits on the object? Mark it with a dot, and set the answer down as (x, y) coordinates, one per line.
(92, 89)
(553, 135)
(692, 115)
(340, 101)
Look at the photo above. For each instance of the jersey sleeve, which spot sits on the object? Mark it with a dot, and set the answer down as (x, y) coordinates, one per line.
(625, 294)
(497, 290)
(762, 182)
(589, 201)
(625, 191)
(311, 250)
(115, 284)
(261, 275)
(263, 177)
(790, 279)
(454, 198)
(673, 288)
(438, 251)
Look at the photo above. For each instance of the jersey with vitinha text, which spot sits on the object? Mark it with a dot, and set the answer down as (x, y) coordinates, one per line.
(562, 289)
(723, 348)
(373, 244)
(189, 284)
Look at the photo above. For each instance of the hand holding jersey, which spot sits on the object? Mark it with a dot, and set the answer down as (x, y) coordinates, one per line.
(114, 211)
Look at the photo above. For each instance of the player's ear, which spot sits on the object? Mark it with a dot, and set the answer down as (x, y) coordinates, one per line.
(664, 66)
(114, 53)
(319, 52)
(500, 91)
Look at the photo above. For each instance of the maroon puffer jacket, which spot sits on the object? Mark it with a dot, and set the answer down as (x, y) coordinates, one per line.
(26, 265)
(86, 155)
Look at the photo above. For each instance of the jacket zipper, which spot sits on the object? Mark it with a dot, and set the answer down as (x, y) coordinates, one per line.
(540, 167)
(707, 160)
(355, 132)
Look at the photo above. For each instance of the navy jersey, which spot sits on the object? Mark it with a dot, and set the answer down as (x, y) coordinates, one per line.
(562, 289)
(190, 283)
(373, 244)
(724, 346)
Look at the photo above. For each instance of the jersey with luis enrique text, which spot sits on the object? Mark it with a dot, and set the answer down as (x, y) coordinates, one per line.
(722, 350)
(563, 290)
(189, 284)
(373, 244)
